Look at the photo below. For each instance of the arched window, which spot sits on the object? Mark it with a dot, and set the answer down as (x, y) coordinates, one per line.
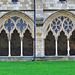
(62, 0)
(50, 44)
(72, 43)
(62, 44)
(27, 44)
(15, 44)
(3, 44)
(14, 0)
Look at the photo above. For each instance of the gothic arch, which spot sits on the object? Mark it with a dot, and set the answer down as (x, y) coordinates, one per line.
(3, 43)
(15, 44)
(27, 44)
(58, 17)
(14, 18)
(72, 43)
(50, 44)
(15, 24)
(62, 44)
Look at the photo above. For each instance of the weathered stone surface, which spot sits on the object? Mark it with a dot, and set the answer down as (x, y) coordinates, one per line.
(46, 12)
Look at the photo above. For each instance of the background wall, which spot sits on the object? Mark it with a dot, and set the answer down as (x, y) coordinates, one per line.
(44, 9)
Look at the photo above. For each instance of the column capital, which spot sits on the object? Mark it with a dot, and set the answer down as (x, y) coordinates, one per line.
(21, 38)
(56, 38)
(68, 38)
(9, 36)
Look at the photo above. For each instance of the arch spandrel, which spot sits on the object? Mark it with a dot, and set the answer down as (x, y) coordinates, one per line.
(64, 15)
(59, 13)
(1, 28)
(15, 16)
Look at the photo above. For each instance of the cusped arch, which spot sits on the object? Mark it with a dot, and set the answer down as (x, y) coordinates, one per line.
(15, 16)
(51, 18)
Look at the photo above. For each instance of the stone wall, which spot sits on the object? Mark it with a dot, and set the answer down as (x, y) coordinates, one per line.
(44, 9)
(56, 4)
(20, 5)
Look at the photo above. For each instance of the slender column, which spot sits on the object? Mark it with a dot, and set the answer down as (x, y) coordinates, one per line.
(56, 47)
(9, 46)
(9, 49)
(21, 46)
(68, 47)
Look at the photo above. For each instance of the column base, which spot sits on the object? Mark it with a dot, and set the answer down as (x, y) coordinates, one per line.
(21, 55)
(56, 54)
(9, 55)
(68, 54)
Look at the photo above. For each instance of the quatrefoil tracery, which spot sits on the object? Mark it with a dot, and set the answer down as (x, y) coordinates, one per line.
(21, 25)
(61, 23)
(68, 25)
(56, 25)
(13, 22)
(9, 25)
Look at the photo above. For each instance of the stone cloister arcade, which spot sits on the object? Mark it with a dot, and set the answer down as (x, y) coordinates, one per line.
(16, 34)
(55, 38)
(59, 32)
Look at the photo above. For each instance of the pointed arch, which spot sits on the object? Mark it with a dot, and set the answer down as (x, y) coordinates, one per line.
(72, 43)
(27, 44)
(15, 44)
(14, 16)
(50, 44)
(3, 43)
(58, 14)
(62, 44)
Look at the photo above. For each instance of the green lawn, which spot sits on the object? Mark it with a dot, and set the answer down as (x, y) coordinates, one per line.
(38, 68)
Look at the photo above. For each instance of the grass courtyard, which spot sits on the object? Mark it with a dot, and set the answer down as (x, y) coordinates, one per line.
(38, 68)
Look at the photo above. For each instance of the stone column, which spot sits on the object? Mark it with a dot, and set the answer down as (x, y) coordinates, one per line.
(68, 47)
(9, 49)
(56, 46)
(9, 45)
(21, 46)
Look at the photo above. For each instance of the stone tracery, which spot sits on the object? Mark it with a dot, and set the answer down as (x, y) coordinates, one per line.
(68, 25)
(19, 24)
(9, 25)
(59, 24)
(15, 22)
(56, 25)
